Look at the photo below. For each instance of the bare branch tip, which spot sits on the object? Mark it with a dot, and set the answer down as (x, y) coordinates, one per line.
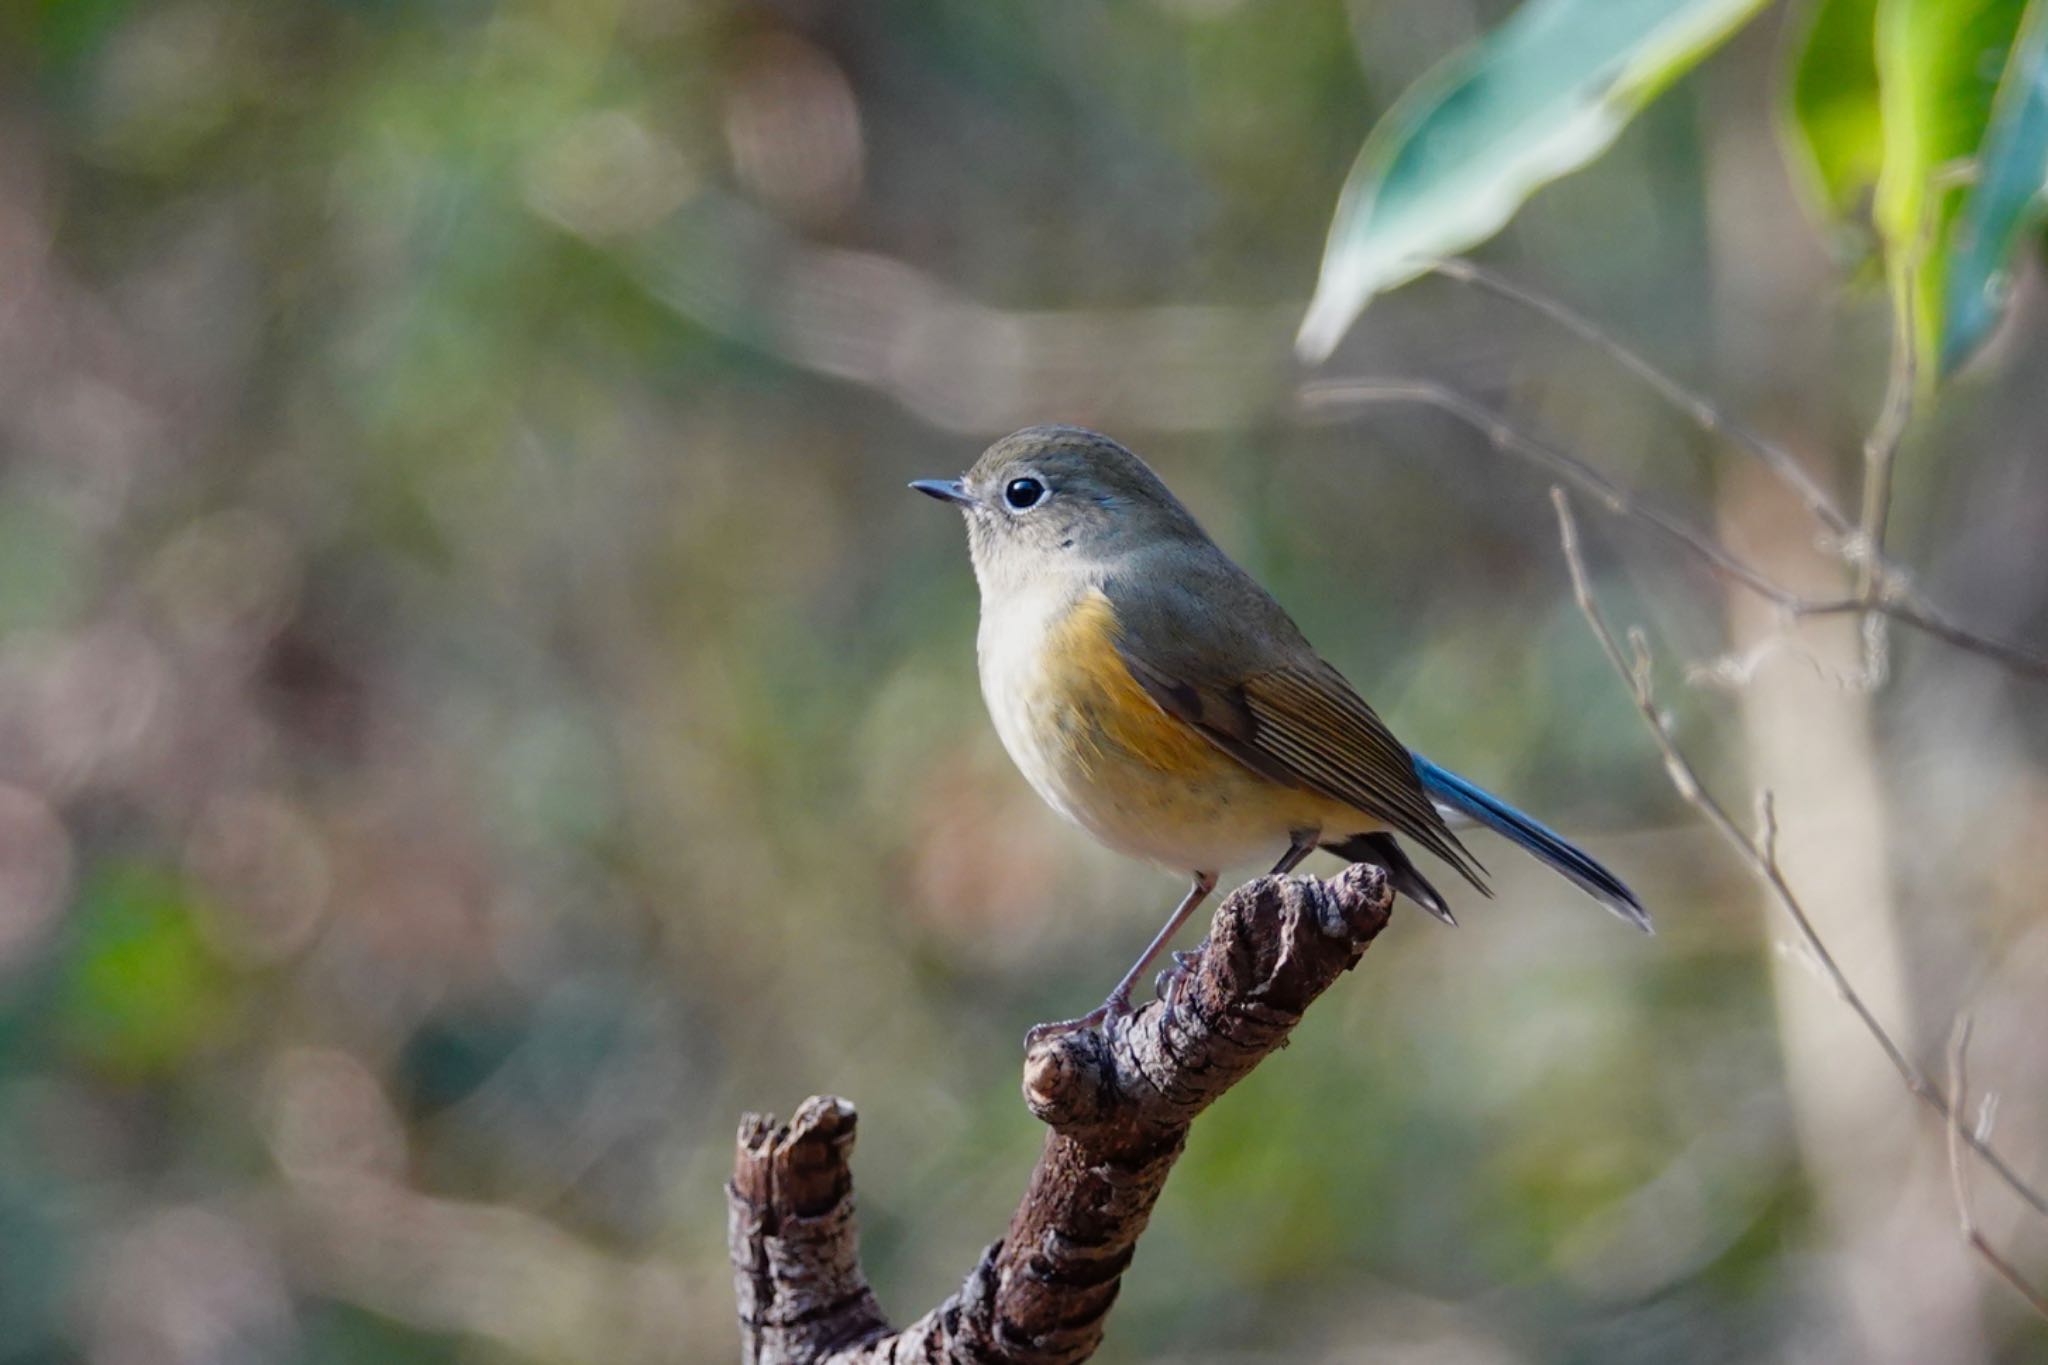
(757, 1132)
(1065, 1079)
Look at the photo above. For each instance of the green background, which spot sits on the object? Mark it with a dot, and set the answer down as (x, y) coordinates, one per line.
(479, 710)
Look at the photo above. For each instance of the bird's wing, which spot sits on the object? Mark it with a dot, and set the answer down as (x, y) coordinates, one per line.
(1263, 697)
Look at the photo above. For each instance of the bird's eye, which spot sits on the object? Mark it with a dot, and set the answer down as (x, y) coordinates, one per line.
(1024, 493)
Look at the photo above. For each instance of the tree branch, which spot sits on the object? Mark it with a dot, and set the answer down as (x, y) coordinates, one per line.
(1703, 412)
(1119, 1102)
(1959, 1173)
(1891, 596)
(1883, 591)
(1343, 396)
(1759, 851)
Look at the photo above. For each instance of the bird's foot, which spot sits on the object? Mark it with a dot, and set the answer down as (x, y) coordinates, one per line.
(1116, 1007)
(1169, 983)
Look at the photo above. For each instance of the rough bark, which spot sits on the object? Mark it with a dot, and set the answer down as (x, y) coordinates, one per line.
(1118, 1101)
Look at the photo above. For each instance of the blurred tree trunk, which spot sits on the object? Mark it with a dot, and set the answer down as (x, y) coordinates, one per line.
(1896, 1279)
(1898, 1276)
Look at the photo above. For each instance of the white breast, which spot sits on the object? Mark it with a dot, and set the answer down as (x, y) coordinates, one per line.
(1011, 649)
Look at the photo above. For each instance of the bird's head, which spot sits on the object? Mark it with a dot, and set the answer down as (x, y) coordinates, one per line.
(1054, 499)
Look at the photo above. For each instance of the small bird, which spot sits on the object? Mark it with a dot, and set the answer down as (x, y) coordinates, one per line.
(1155, 695)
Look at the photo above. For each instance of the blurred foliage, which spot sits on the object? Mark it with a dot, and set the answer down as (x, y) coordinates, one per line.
(1890, 107)
(2004, 197)
(1892, 102)
(478, 710)
(1835, 120)
(144, 994)
(1937, 66)
(1545, 93)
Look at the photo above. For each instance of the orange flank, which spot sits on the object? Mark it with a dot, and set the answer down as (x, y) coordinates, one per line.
(1110, 710)
(1102, 751)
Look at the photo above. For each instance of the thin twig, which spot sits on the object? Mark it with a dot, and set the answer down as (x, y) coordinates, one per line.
(1959, 1176)
(1883, 589)
(1759, 851)
(1911, 609)
(1895, 598)
(1882, 445)
(1703, 412)
(1340, 396)
(1880, 451)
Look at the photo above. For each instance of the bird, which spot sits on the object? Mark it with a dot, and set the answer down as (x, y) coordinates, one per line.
(1151, 692)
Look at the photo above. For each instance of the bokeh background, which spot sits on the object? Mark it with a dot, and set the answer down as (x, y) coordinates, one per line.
(479, 710)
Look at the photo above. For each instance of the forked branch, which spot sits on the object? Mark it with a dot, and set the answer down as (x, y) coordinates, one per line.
(1118, 1101)
(1959, 1173)
(1883, 590)
(1891, 595)
(1702, 411)
(1759, 852)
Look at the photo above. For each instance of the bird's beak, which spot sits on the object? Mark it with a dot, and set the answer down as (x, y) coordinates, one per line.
(945, 490)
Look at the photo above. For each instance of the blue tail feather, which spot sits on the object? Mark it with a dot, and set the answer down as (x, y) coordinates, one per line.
(1449, 789)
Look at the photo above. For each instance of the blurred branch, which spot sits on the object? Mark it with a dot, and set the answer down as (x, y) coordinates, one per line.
(1119, 1102)
(1880, 451)
(1345, 396)
(955, 362)
(1959, 1176)
(1909, 608)
(1882, 592)
(1894, 598)
(1703, 411)
(1883, 589)
(1758, 851)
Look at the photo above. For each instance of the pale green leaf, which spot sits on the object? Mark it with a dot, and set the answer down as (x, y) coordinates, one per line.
(1938, 63)
(1891, 100)
(1540, 96)
(2006, 196)
(1836, 133)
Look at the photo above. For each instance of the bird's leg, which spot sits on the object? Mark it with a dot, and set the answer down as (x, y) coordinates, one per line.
(1119, 1002)
(1300, 843)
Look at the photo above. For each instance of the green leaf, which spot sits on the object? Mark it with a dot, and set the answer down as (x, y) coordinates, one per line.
(143, 992)
(2006, 199)
(1938, 63)
(1891, 99)
(1836, 132)
(1540, 96)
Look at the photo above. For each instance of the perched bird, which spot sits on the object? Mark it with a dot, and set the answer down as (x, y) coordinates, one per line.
(1155, 695)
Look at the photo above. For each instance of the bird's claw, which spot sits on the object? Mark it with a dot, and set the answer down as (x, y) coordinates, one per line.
(1116, 1007)
(1173, 980)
